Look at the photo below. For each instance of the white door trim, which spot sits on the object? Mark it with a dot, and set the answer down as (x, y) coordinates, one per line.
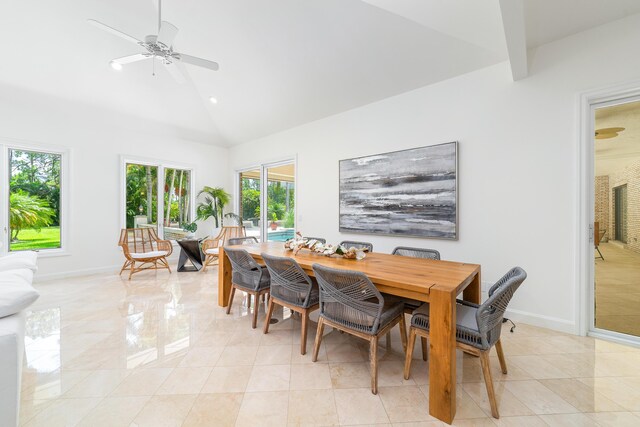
(585, 274)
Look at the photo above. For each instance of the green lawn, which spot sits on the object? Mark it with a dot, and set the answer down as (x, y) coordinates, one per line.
(46, 238)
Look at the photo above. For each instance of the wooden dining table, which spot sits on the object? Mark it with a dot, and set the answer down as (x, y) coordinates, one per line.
(433, 281)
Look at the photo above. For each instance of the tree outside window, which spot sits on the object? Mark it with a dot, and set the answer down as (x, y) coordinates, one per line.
(34, 200)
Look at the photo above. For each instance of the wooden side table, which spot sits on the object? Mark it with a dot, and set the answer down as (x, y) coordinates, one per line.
(190, 250)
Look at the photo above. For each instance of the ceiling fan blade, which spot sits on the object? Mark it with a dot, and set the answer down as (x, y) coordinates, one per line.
(167, 33)
(113, 31)
(176, 71)
(131, 58)
(193, 60)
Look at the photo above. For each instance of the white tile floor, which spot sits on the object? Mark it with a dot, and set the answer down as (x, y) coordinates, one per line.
(158, 351)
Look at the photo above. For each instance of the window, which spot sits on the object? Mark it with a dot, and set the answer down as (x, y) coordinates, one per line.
(177, 202)
(34, 200)
(142, 196)
(167, 214)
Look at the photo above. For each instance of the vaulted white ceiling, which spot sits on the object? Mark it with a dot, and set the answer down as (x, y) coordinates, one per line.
(282, 62)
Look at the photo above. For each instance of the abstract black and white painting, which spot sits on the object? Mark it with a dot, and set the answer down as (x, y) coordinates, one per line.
(410, 192)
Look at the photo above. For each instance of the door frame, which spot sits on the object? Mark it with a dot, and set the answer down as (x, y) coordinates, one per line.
(585, 251)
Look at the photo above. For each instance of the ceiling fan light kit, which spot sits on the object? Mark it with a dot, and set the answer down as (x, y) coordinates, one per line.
(159, 47)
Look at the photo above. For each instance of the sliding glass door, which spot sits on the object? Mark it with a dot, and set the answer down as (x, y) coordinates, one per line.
(280, 194)
(249, 209)
(266, 201)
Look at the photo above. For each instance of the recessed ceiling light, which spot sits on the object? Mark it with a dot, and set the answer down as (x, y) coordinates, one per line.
(116, 65)
(213, 100)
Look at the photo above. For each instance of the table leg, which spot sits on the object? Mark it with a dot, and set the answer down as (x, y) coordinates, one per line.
(182, 261)
(473, 292)
(442, 359)
(224, 278)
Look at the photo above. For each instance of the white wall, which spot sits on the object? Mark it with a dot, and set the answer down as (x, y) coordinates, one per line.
(517, 161)
(96, 140)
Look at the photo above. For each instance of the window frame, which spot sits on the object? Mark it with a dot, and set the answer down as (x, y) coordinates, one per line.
(161, 165)
(65, 154)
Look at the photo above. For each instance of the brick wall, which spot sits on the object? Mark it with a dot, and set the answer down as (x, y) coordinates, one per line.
(630, 176)
(602, 203)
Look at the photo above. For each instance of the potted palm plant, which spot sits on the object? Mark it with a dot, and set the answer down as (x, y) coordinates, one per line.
(215, 199)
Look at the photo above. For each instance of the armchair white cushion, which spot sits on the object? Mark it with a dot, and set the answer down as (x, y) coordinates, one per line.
(151, 254)
(16, 292)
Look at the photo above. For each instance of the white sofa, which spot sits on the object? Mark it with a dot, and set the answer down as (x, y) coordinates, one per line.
(16, 294)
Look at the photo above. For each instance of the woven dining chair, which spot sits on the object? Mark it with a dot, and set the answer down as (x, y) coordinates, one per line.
(319, 239)
(410, 304)
(291, 287)
(248, 276)
(349, 302)
(249, 240)
(478, 327)
(416, 252)
(358, 245)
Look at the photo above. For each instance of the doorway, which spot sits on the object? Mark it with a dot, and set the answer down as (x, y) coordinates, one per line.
(615, 302)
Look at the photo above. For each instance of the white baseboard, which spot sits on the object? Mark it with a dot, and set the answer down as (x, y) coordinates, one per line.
(534, 319)
(75, 273)
(542, 321)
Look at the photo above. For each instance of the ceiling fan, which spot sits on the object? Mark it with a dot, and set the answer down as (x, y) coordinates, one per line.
(159, 47)
(607, 133)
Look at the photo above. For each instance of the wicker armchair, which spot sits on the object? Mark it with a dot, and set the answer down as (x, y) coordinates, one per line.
(211, 246)
(349, 302)
(478, 327)
(358, 245)
(248, 276)
(144, 247)
(291, 287)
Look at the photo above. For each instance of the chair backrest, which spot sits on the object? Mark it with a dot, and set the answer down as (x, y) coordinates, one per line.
(138, 240)
(416, 252)
(491, 312)
(358, 245)
(242, 241)
(244, 270)
(349, 298)
(231, 232)
(319, 239)
(289, 282)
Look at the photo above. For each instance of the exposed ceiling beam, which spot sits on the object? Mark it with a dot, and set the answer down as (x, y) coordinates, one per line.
(514, 32)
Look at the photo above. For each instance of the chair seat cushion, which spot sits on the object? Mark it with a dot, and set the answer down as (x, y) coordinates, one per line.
(465, 317)
(151, 254)
(296, 298)
(16, 292)
(212, 251)
(466, 324)
(359, 321)
(247, 282)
